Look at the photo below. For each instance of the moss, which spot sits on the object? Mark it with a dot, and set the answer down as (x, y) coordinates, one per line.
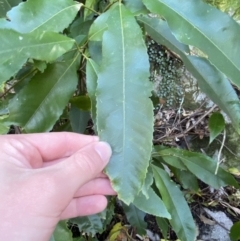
(166, 72)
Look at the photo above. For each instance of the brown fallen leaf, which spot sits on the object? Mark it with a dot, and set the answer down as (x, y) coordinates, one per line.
(206, 220)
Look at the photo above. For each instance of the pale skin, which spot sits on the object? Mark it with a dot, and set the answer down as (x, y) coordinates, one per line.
(49, 177)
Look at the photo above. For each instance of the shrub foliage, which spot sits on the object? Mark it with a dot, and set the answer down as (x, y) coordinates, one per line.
(61, 60)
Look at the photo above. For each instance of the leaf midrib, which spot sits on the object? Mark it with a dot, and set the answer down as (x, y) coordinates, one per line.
(230, 60)
(49, 93)
(124, 81)
(209, 86)
(187, 160)
(179, 216)
(59, 12)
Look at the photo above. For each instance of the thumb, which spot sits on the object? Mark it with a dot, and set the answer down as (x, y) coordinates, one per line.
(69, 175)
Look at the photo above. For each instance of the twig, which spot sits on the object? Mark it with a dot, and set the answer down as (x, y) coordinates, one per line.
(25, 76)
(91, 10)
(227, 148)
(198, 121)
(216, 220)
(220, 151)
(109, 5)
(191, 127)
(185, 140)
(196, 112)
(179, 111)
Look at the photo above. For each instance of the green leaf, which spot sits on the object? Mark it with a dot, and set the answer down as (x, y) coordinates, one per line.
(95, 50)
(169, 160)
(163, 225)
(91, 224)
(203, 167)
(199, 24)
(100, 25)
(40, 65)
(78, 119)
(41, 15)
(16, 48)
(217, 87)
(82, 102)
(135, 6)
(96, 223)
(3, 127)
(89, 5)
(159, 30)
(44, 93)
(135, 217)
(187, 179)
(6, 5)
(80, 27)
(213, 83)
(234, 231)
(3, 108)
(182, 221)
(147, 183)
(61, 232)
(95, 35)
(153, 205)
(124, 89)
(24, 75)
(92, 70)
(216, 125)
(115, 232)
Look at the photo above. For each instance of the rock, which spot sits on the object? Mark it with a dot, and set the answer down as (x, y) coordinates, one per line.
(216, 232)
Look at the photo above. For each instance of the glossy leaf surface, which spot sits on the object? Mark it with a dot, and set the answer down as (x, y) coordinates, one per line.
(47, 95)
(16, 48)
(199, 24)
(202, 166)
(153, 205)
(123, 90)
(212, 82)
(6, 5)
(216, 125)
(41, 15)
(182, 220)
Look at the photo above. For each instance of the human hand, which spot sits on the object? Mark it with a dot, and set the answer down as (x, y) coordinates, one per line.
(48, 177)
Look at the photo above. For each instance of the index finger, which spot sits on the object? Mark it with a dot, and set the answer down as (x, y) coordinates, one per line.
(55, 145)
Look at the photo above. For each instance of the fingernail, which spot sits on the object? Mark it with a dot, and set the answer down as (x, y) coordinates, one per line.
(104, 150)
